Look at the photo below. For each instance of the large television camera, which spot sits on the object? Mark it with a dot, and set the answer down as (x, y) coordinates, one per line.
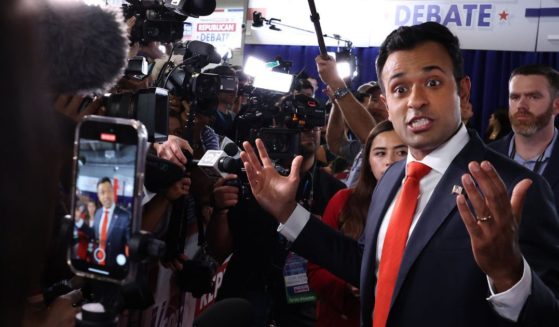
(186, 81)
(278, 121)
(148, 105)
(163, 20)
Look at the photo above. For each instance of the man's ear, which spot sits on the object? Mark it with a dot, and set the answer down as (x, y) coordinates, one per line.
(555, 105)
(464, 88)
(383, 100)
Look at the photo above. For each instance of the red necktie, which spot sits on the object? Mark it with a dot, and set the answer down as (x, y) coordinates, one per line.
(395, 241)
(103, 238)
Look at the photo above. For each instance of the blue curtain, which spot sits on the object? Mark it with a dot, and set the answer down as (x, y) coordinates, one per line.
(489, 71)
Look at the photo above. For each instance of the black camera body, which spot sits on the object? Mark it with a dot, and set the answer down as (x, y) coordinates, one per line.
(304, 111)
(278, 121)
(150, 106)
(163, 20)
(200, 89)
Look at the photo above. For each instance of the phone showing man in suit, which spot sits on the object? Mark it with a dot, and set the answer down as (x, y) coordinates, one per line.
(109, 161)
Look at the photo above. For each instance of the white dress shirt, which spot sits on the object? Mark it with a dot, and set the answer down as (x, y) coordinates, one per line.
(508, 304)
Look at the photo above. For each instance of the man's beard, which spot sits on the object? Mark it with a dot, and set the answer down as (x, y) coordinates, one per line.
(534, 124)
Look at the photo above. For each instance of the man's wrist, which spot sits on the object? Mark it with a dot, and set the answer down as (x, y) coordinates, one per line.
(285, 214)
(507, 281)
(341, 92)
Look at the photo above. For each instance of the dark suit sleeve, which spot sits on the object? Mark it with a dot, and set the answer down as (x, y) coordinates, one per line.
(539, 242)
(330, 249)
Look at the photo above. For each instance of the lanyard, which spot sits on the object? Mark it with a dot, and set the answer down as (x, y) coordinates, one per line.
(539, 161)
(306, 195)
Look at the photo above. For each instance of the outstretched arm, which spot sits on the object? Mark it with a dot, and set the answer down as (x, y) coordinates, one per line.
(335, 130)
(311, 238)
(359, 120)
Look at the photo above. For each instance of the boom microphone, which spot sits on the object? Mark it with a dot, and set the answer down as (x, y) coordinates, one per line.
(84, 47)
(234, 312)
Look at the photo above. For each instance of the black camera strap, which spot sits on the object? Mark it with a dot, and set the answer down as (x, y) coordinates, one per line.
(202, 243)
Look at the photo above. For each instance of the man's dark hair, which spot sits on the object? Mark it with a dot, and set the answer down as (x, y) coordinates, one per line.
(302, 84)
(222, 70)
(548, 72)
(104, 180)
(409, 37)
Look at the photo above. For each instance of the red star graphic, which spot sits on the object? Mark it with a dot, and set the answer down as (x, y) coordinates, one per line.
(503, 15)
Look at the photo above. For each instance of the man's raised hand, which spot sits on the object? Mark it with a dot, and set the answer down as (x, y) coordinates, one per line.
(493, 224)
(275, 193)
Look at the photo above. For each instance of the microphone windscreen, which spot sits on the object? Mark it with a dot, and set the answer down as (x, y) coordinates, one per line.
(230, 165)
(234, 312)
(84, 47)
(231, 149)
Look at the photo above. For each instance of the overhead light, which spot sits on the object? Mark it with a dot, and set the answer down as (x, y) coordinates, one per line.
(253, 66)
(274, 81)
(346, 63)
(265, 78)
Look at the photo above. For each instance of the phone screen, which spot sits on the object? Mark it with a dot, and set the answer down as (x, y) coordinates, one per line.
(105, 188)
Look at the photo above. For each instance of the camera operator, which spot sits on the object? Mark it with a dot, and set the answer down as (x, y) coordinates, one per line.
(304, 86)
(237, 226)
(224, 115)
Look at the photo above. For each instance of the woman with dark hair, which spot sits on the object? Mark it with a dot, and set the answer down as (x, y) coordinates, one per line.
(338, 301)
(499, 125)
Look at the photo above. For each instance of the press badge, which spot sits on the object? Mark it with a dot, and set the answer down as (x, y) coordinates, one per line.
(297, 288)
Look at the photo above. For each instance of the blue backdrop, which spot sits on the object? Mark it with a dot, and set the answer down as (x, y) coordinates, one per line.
(489, 71)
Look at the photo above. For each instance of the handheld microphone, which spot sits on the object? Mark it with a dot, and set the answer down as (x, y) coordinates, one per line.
(234, 312)
(216, 164)
(209, 163)
(84, 47)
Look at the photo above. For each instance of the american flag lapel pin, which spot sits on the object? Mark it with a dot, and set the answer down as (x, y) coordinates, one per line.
(457, 189)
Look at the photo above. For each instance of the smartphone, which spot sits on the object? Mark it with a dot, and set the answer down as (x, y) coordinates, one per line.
(108, 173)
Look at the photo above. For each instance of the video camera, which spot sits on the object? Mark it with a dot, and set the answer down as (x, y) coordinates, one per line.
(279, 124)
(149, 106)
(187, 82)
(163, 20)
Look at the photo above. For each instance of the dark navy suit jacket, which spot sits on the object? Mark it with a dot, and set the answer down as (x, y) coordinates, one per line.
(551, 171)
(439, 283)
(118, 233)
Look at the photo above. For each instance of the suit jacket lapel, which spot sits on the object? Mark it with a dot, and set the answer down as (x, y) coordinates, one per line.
(97, 222)
(381, 199)
(440, 206)
(550, 173)
(113, 222)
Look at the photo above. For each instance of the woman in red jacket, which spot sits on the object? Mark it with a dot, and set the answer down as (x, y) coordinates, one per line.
(338, 301)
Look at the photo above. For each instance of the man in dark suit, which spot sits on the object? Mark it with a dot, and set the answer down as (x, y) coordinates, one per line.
(488, 259)
(111, 227)
(533, 106)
